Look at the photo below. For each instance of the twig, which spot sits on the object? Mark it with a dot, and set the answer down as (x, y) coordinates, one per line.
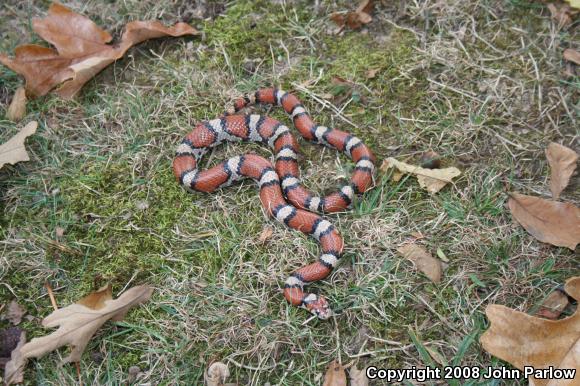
(51, 295)
(337, 338)
(78, 366)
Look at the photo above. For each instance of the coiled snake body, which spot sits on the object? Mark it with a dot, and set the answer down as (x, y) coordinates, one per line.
(281, 192)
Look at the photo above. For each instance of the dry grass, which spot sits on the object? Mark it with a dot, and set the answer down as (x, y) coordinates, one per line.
(480, 82)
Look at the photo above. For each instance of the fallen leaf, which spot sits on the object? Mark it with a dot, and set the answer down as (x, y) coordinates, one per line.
(266, 234)
(9, 339)
(335, 375)
(552, 222)
(14, 369)
(82, 50)
(561, 13)
(14, 313)
(562, 161)
(553, 305)
(14, 151)
(525, 340)
(354, 19)
(78, 323)
(97, 300)
(433, 180)
(572, 55)
(357, 377)
(574, 3)
(217, 373)
(423, 260)
(17, 109)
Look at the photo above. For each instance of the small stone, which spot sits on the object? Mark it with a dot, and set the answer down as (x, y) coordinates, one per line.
(142, 205)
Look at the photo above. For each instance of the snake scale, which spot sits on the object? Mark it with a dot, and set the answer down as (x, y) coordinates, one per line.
(281, 192)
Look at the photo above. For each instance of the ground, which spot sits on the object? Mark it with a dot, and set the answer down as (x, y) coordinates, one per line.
(481, 83)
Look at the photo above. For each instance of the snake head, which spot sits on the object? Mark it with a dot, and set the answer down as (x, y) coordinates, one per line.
(318, 306)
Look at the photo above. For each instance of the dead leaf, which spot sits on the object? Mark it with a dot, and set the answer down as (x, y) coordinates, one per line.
(357, 377)
(14, 151)
(335, 375)
(96, 300)
(552, 222)
(17, 109)
(217, 373)
(423, 260)
(14, 313)
(266, 234)
(433, 180)
(82, 50)
(572, 55)
(525, 340)
(14, 369)
(563, 163)
(78, 323)
(561, 13)
(354, 19)
(553, 305)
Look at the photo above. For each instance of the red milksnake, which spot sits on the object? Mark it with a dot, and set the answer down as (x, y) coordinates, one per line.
(281, 192)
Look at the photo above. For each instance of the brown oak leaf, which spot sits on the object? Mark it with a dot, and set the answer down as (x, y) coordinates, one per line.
(17, 109)
(423, 260)
(82, 50)
(562, 161)
(335, 375)
(77, 324)
(13, 150)
(572, 55)
(433, 180)
(552, 222)
(525, 340)
(354, 19)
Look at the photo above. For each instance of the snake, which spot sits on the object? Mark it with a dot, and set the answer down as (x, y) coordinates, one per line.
(281, 191)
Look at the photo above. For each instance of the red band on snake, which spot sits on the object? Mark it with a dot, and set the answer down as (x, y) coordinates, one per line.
(281, 192)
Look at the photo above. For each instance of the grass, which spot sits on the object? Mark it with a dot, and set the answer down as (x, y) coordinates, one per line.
(481, 83)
